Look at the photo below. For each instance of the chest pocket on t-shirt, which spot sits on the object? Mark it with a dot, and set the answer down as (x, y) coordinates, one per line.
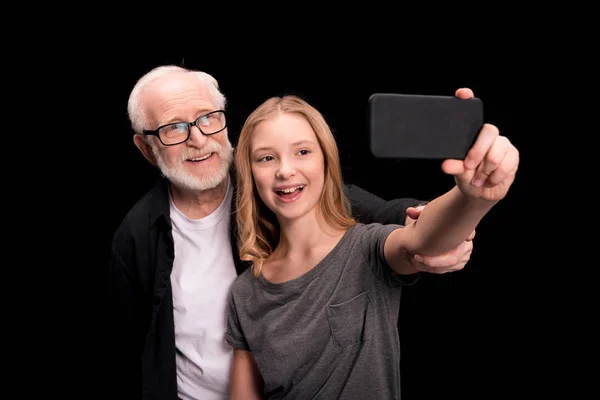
(347, 320)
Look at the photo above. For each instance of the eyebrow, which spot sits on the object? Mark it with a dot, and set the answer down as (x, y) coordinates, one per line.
(175, 118)
(295, 144)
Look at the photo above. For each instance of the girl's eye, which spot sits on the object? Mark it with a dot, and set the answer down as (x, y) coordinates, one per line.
(304, 152)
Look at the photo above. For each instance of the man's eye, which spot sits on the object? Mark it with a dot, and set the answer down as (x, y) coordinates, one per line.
(176, 127)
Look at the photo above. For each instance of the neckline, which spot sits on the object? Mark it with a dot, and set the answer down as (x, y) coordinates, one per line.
(308, 276)
(208, 220)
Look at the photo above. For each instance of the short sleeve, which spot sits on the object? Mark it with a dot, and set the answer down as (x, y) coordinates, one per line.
(372, 240)
(234, 335)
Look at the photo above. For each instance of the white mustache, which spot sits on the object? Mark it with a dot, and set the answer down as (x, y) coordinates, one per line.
(211, 147)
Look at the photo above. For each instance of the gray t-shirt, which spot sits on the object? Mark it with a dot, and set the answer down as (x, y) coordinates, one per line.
(330, 333)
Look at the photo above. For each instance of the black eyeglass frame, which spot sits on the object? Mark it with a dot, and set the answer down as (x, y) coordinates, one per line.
(189, 126)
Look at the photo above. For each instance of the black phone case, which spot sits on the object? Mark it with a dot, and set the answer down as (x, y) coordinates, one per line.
(403, 126)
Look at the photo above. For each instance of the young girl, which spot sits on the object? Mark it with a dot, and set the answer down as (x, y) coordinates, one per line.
(316, 314)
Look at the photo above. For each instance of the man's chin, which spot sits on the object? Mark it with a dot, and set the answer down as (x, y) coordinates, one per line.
(184, 179)
(192, 182)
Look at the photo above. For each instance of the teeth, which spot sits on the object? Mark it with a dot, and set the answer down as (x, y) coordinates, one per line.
(290, 190)
(201, 158)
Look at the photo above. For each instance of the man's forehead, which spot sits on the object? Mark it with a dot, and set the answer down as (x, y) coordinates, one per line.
(178, 82)
(177, 96)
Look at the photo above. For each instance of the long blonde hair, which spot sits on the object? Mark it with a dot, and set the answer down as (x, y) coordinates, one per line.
(258, 228)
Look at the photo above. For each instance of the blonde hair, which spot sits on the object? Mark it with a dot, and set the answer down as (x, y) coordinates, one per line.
(258, 228)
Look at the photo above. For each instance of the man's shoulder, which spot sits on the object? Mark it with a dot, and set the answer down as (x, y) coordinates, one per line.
(139, 216)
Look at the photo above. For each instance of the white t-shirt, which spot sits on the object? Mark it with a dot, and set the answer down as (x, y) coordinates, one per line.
(202, 275)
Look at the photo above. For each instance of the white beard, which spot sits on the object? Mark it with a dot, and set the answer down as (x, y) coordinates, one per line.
(208, 179)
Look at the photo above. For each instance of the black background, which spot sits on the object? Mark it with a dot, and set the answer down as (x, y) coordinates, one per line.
(462, 334)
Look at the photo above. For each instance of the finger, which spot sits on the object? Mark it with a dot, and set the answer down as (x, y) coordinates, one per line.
(446, 260)
(471, 236)
(443, 270)
(460, 265)
(486, 138)
(464, 93)
(453, 167)
(457, 169)
(465, 247)
(443, 261)
(413, 212)
(465, 260)
(493, 159)
(457, 267)
(508, 168)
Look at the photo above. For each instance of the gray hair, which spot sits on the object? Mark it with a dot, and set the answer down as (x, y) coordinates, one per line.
(135, 108)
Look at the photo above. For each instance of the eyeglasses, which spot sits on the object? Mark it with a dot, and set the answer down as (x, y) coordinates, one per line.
(179, 132)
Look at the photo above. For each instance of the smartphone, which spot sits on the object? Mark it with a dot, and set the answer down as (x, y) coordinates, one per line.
(409, 126)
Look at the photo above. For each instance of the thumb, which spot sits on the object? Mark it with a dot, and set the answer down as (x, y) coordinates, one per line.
(453, 167)
(456, 168)
(464, 93)
(413, 212)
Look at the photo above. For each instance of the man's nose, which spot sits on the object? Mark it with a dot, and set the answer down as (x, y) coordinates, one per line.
(197, 138)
